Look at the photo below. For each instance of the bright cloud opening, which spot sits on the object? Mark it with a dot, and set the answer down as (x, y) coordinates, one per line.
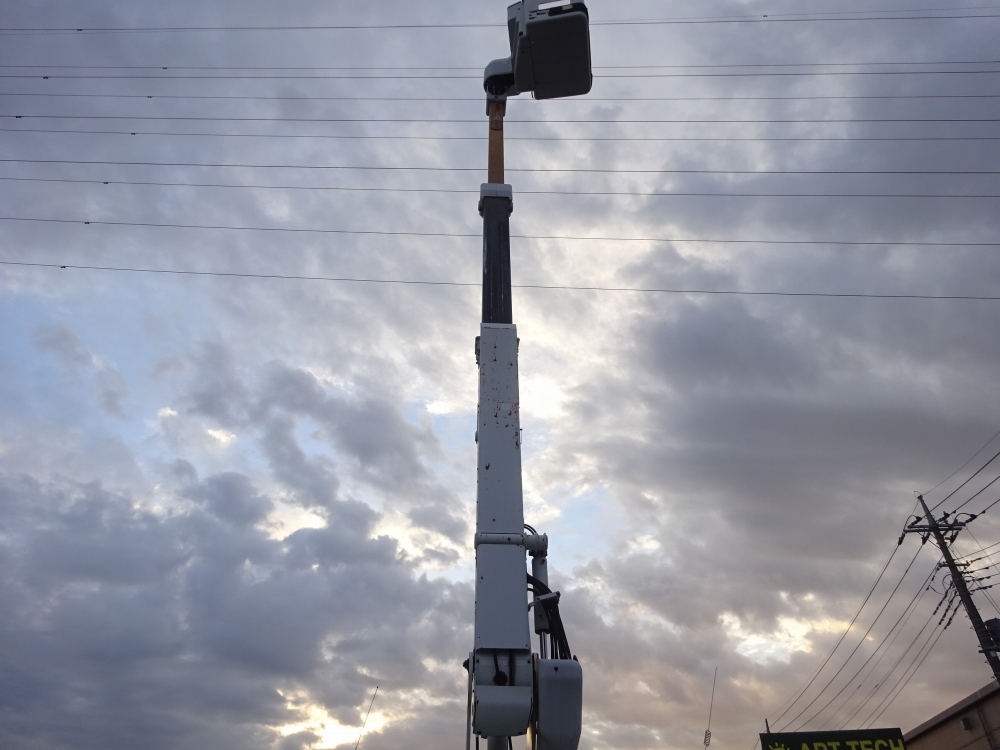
(791, 636)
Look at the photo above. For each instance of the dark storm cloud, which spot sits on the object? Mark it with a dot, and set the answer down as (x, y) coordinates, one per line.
(126, 626)
(233, 498)
(374, 434)
(761, 453)
(385, 450)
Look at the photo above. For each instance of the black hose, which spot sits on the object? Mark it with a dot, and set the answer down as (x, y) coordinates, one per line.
(499, 678)
(560, 643)
(542, 588)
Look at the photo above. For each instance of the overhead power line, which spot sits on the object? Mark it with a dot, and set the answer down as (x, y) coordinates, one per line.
(917, 661)
(479, 68)
(386, 233)
(888, 675)
(808, 684)
(919, 665)
(992, 564)
(479, 99)
(465, 191)
(561, 139)
(883, 649)
(977, 494)
(520, 170)
(989, 507)
(460, 77)
(995, 436)
(550, 287)
(966, 557)
(766, 19)
(862, 640)
(974, 475)
(479, 121)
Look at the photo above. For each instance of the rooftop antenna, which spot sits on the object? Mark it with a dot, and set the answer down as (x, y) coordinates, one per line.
(711, 704)
(366, 719)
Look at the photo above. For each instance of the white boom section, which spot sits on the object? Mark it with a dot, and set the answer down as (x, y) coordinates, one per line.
(502, 705)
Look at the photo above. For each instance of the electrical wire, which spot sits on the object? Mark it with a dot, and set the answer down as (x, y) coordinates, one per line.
(477, 68)
(971, 459)
(977, 473)
(679, 21)
(988, 507)
(910, 677)
(575, 170)
(977, 494)
(480, 120)
(605, 193)
(991, 546)
(459, 77)
(805, 687)
(561, 139)
(896, 664)
(941, 633)
(567, 287)
(864, 701)
(850, 656)
(802, 690)
(992, 565)
(479, 99)
(921, 589)
(519, 170)
(578, 238)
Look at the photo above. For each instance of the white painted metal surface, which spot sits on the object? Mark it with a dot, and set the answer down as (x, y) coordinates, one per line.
(501, 627)
(560, 704)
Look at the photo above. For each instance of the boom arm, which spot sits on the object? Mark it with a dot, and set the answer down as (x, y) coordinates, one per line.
(511, 690)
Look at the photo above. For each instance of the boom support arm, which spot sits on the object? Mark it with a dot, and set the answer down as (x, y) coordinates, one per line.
(511, 690)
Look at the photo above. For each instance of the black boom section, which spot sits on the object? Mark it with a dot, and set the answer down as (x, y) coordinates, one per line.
(496, 260)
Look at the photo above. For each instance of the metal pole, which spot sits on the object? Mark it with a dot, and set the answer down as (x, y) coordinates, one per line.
(496, 210)
(468, 709)
(985, 641)
(496, 110)
(711, 705)
(501, 616)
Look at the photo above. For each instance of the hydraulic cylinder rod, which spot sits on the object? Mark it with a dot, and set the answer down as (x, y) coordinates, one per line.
(495, 206)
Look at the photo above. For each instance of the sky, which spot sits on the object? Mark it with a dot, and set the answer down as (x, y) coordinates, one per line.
(233, 506)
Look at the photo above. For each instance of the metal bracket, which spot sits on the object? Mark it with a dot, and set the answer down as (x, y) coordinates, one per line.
(494, 190)
(535, 543)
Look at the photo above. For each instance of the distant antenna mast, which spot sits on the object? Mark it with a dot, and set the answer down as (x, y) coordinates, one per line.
(711, 704)
(370, 711)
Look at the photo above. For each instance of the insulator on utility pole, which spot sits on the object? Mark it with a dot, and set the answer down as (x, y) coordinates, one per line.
(943, 531)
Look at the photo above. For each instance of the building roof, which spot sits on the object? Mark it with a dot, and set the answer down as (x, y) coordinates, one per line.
(962, 705)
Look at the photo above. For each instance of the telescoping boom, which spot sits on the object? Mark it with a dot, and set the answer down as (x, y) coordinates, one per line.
(512, 690)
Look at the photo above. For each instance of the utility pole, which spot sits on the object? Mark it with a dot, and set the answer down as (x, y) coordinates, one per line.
(937, 529)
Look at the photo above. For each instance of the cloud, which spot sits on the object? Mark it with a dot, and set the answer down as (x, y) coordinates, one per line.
(179, 621)
(230, 507)
(112, 386)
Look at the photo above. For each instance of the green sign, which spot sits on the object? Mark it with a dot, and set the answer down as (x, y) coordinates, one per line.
(861, 739)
